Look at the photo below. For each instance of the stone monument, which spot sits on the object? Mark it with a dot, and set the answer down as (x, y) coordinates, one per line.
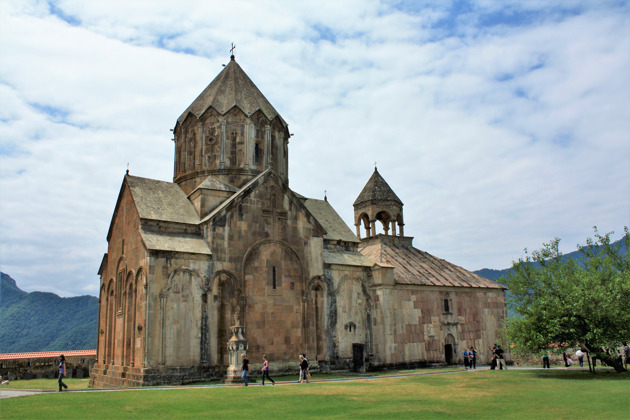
(236, 346)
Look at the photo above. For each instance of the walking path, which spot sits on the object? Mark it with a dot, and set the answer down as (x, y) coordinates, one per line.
(9, 393)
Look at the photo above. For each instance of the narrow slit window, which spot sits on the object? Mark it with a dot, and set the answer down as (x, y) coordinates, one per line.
(273, 279)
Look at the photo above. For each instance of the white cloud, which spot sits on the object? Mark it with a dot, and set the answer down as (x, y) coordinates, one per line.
(497, 136)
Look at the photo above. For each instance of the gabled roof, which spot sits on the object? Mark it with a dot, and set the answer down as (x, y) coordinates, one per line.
(416, 267)
(231, 88)
(160, 200)
(325, 214)
(376, 189)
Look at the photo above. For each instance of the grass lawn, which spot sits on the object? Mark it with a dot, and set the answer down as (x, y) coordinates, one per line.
(526, 394)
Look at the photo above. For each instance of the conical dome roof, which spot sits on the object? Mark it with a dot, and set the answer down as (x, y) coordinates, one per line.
(232, 87)
(376, 189)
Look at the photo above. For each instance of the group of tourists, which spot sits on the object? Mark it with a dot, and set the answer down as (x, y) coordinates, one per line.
(305, 374)
(622, 357)
(497, 359)
(470, 358)
(566, 357)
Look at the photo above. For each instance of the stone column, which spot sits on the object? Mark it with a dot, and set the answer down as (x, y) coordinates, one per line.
(223, 135)
(249, 139)
(267, 147)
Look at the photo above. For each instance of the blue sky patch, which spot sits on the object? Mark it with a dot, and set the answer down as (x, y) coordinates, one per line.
(325, 32)
(57, 11)
(163, 42)
(563, 139)
(54, 113)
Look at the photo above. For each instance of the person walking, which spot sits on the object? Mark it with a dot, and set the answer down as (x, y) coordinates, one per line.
(626, 350)
(546, 360)
(244, 368)
(580, 355)
(303, 369)
(62, 372)
(265, 371)
(466, 359)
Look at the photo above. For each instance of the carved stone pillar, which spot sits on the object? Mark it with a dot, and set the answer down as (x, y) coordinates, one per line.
(236, 346)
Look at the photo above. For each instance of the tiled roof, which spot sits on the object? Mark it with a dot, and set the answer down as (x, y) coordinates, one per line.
(178, 242)
(377, 189)
(47, 354)
(161, 200)
(336, 228)
(413, 266)
(231, 88)
(346, 258)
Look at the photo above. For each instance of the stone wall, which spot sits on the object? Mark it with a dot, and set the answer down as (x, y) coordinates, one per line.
(45, 367)
(413, 324)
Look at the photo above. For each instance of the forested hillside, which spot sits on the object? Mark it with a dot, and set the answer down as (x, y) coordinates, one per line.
(40, 321)
(495, 275)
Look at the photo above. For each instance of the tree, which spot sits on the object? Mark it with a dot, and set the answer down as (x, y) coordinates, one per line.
(568, 302)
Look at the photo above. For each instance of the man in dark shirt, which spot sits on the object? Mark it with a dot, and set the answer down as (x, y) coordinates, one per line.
(244, 368)
(500, 360)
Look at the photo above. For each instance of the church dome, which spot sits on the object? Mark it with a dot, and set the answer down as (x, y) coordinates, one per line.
(232, 88)
(231, 132)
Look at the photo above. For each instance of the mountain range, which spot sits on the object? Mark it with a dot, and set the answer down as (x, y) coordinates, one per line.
(40, 321)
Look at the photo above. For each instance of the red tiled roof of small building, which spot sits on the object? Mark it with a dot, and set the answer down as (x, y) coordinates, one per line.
(47, 354)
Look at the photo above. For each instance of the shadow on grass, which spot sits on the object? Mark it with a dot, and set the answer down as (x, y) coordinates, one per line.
(600, 374)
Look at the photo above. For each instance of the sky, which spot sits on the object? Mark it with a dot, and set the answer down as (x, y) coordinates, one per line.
(500, 125)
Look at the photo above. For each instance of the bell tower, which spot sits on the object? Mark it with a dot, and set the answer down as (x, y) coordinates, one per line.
(378, 203)
(230, 132)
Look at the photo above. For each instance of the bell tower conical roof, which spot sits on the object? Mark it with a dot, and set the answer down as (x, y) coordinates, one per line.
(376, 189)
(378, 205)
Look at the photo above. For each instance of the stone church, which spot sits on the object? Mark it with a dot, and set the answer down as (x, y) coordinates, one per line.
(228, 239)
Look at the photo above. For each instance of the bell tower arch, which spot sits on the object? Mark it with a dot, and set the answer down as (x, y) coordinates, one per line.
(378, 210)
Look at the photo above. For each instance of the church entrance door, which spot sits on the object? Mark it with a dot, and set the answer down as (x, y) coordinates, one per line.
(448, 354)
(358, 357)
(449, 350)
